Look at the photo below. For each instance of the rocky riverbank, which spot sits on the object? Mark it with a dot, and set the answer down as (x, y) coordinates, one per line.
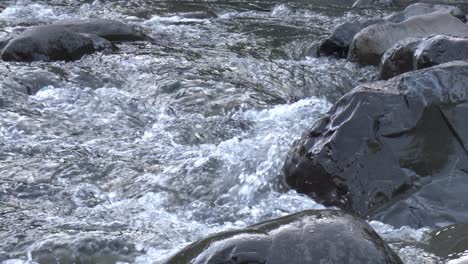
(394, 151)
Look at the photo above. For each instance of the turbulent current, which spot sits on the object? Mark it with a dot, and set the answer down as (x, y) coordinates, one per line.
(130, 156)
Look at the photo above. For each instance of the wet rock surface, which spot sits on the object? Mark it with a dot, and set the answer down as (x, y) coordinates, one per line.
(371, 43)
(323, 236)
(395, 151)
(413, 54)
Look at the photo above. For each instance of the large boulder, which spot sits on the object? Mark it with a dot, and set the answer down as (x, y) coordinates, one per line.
(450, 242)
(324, 236)
(395, 151)
(338, 42)
(414, 54)
(111, 30)
(370, 44)
(47, 43)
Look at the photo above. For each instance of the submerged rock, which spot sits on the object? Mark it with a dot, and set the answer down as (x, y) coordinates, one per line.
(339, 41)
(395, 151)
(111, 30)
(88, 250)
(370, 44)
(47, 43)
(413, 54)
(323, 236)
(31, 82)
(449, 242)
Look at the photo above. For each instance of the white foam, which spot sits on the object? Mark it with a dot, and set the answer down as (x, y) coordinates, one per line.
(29, 13)
(155, 20)
(403, 233)
(281, 11)
(462, 260)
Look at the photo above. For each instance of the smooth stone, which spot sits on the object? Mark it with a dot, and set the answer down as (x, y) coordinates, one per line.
(111, 30)
(395, 151)
(322, 236)
(339, 41)
(47, 43)
(371, 43)
(413, 54)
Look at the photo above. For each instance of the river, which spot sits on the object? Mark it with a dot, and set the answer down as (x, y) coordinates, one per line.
(132, 155)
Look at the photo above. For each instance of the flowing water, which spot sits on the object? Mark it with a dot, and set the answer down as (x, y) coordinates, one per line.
(128, 157)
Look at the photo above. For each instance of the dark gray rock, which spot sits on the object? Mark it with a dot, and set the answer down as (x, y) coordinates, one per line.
(395, 151)
(338, 42)
(440, 49)
(450, 242)
(370, 44)
(111, 30)
(398, 59)
(324, 236)
(414, 54)
(47, 43)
